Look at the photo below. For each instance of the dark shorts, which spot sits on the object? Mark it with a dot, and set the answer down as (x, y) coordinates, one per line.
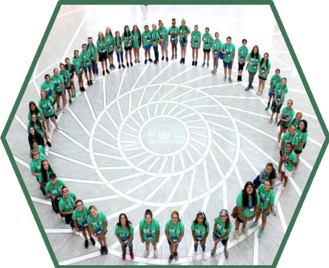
(224, 242)
(262, 78)
(239, 219)
(183, 43)
(280, 153)
(87, 68)
(169, 242)
(102, 56)
(174, 41)
(228, 65)
(241, 65)
(103, 235)
(298, 152)
(206, 51)
(58, 94)
(128, 48)
(266, 214)
(82, 228)
(110, 53)
(276, 108)
(68, 88)
(51, 116)
(195, 47)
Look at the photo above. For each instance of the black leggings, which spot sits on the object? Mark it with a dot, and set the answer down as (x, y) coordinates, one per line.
(68, 220)
(251, 78)
(54, 204)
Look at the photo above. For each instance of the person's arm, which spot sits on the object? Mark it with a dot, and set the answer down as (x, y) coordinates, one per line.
(121, 241)
(199, 42)
(142, 42)
(256, 212)
(282, 149)
(241, 214)
(299, 145)
(167, 36)
(294, 164)
(268, 209)
(233, 56)
(158, 236)
(91, 230)
(204, 239)
(249, 62)
(214, 231)
(181, 237)
(104, 229)
(43, 118)
(141, 235)
(168, 237)
(76, 225)
(194, 239)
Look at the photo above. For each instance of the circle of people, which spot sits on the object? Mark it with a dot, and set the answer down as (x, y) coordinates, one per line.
(255, 201)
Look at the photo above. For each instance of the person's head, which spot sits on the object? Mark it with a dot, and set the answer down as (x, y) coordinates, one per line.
(277, 72)
(154, 27)
(228, 40)
(135, 29)
(90, 40)
(45, 164)
(84, 47)
(292, 130)
(175, 217)
(299, 116)
(270, 170)
(93, 211)
(62, 67)
(76, 53)
(67, 61)
(288, 147)
(65, 192)
(34, 145)
(173, 22)
(148, 216)
(303, 125)
(126, 29)
(35, 155)
(268, 185)
(117, 34)
(183, 22)
(216, 35)
(100, 36)
(47, 78)
(123, 221)
(52, 178)
(34, 117)
(146, 28)
(224, 217)
(200, 218)
(44, 94)
(32, 131)
(266, 56)
(56, 72)
(79, 205)
(108, 31)
(283, 82)
(196, 28)
(207, 30)
(160, 24)
(249, 190)
(244, 42)
(33, 107)
(255, 52)
(289, 104)
(44, 169)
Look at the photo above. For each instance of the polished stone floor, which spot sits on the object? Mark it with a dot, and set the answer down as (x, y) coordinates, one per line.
(165, 137)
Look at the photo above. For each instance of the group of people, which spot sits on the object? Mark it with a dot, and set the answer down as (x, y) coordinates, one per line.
(255, 201)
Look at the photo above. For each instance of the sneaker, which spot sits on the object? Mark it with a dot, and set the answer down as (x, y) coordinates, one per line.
(91, 82)
(271, 120)
(124, 256)
(192, 63)
(251, 87)
(59, 108)
(172, 57)
(224, 79)
(49, 144)
(139, 61)
(279, 145)
(245, 231)
(175, 56)
(236, 234)
(55, 116)
(181, 60)
(254, 224)
(150, 60)
(86, 244)
(146, 253)
(107, 71)
(213, 71)
(230, 80)
(155, 255)
(103, 72)
(58, 128)
(226, 254)
(135, 61)
(171, 257)
(266, 109)
(203, 64)
(145, 61)
(92, 240)
(204, 255)
(207, 64)
(162, 58)
(102, 250)
(195, 63)
(88, 82)
(123, 66)
(132, 255)
(212, 252)
(119, 66)
(284, 188)
(194, 255)
(167, 59)
(106, 251)
(113, 66)
(131, 64)
(127, 64)
(70, 101)
(155, 62)
(247, 88)
(176, 255)
(260, 234)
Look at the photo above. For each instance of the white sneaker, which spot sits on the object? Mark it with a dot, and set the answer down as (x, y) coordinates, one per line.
(58, 128)
(146, 253)
(194, 255)
(155, 255)
(245, 232)
(279, 145)
(204, 255)
(236, 234)
(284, 188)
(75, 232)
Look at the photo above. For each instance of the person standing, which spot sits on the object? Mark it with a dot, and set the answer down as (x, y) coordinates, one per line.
(49, 86)
(102, 49)
(86, 63)
(173, 32)
(124, 231)
(67, 206)
(207, 43)
(127, 39)
(280, 92)
(289, 160)
(275, 80)
(60, 88)
(195, 44)
(45, 105)
(91, 47)
(146, 43)
(35, 165)
(54, 190)
(70, 68)
(200, 231)
(286, 116)
(302, 135)
(291, 137)
(136, 43)
(163, 33)
(253, 61)
(109, 40)
(263, 71)
(155, 41)
(242, 57)
(183, 33)
(77, 62)
(228, 58)
(216, 49)
(67, 81)
(119, 49)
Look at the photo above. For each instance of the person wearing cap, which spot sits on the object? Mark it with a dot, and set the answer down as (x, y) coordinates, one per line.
(86, 63)
(91, 47)
(70, 68)
(200, 231)
(242, 57)
(53, 189)
(118, 49)
(195, 44)
(216, 49)
(163, 33)
(127, 39)
(102, 49)
(146, 43)
(155, 41)
(67, 207)
(173, 32)
(229, 53)
(77, 63)
(183, 33)
(221, 233)
(207, 44)
(136, 43)
(109, 40)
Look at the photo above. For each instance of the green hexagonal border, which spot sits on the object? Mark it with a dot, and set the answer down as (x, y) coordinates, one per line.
(168, 2)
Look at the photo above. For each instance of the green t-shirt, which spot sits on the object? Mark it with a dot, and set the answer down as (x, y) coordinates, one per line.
(243, 53)
(67, 204)
(264, 68)
(146, 38)
(81, 217)
(249, 211)
(77, 64)
(92, 50)
(265, 198)
(128, 39)
(49, 171)
(163, 33)
(37, 128)
(46, 106)
(70, 69)
(286, 137)
(220, 227)
(109, 41)
(97, 223)
(35, 165)
(195, 39)
(229, 49)
(124, 233)
(135, 41)
(253, 68)
(301, 137)
(173, 30)
(174, 230)
(155, 38)
(118, 44)
(207, 41)
(40, 150)
(182, 32)
(292, 156)
(280, 91)
(289, 113)
(55, 189)
(200, 230)
(149, 230)
(50, 88)
(38, 115)
(58, 80)
(216, 46)
(276, 80)
(66, 77)
(85, 56)
(295, 122)
(101, 46)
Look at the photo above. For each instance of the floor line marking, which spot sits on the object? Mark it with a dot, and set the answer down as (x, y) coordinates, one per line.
(245, 111)
(23, 163)
(283, 63)
(41, 201)
(140, 76)
(73, 140)
(71, 160)
(107, 144)
(161, 72)
(78, 121)
(108, 132)
(255, 251)
(97, 199)
(127, 177)
(104, 94)
(112, 120)
(70, 12)
(109, 156)
(83, 181)
(196, 79)
(121, 82)
(20, 121)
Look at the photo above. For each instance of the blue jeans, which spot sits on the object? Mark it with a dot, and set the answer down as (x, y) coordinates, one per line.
(130, 246)
(156, 52)
(120, 55)
(203, 247)
(94, 67)
(42, 189)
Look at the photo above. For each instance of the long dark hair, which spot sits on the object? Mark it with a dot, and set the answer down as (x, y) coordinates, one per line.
(204, 218)
(36, 111)
(138, 31)
(44, 172)
(228, 221)
(37, 121)
(37, 136)
(262, 61)
(128, 222)
(305, 125)
(253, 53)
(273, 172)
(245, 196)
(125, 32)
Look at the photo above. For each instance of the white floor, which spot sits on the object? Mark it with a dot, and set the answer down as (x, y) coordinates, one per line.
(166, 137)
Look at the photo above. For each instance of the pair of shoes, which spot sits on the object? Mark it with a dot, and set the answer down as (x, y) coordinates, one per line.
(192, 63)
(247, 88)
(145, 61)
(258, 92)
(167, 59)
(155, 62)
(225, 78)
(171, 257)
(104, 250)
(156, 254)
(260, 234)
(203, 64)
(107, 71)
(176, 256)
(213, 251)
(254, 224)
(230, 80)
(86, 243)
(131, 64)
(92, 240)
(123, 66)
(146, 253)
(124, 256)
(226, 254)
(150, 60)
